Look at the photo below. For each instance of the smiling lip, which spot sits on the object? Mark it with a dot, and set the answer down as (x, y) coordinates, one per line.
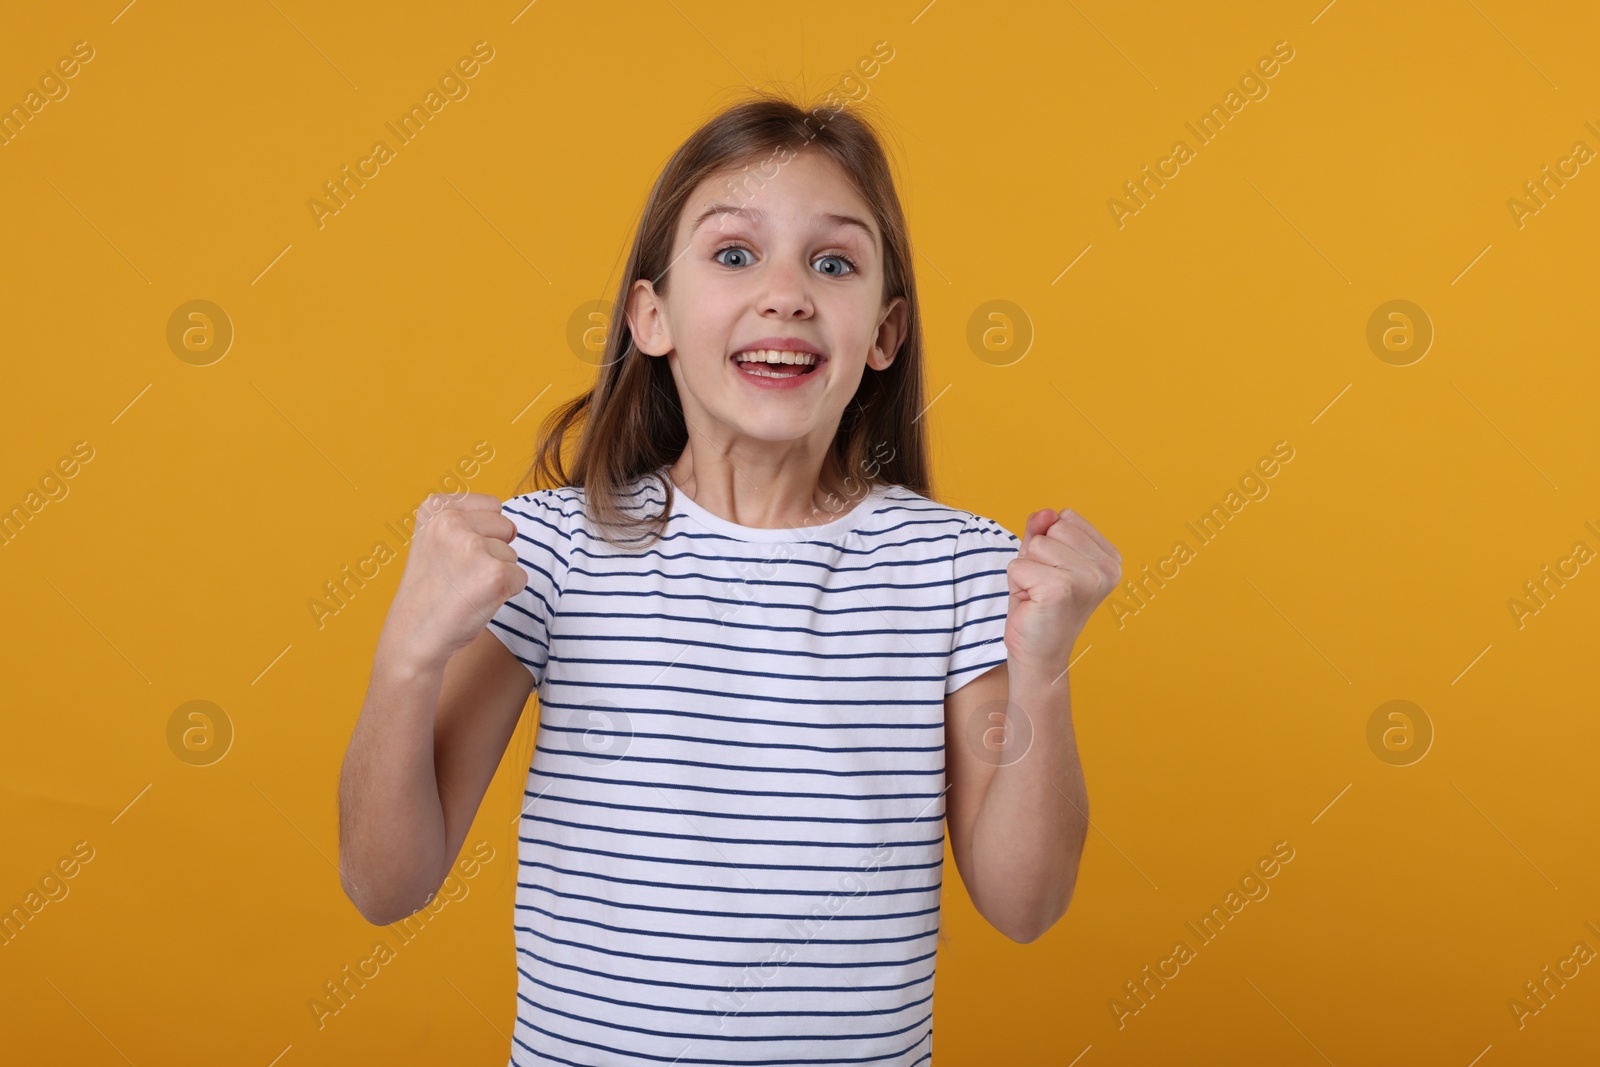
(779, 381)
(782, 344)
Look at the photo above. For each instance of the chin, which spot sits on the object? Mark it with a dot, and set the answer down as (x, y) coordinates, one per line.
(770, 434)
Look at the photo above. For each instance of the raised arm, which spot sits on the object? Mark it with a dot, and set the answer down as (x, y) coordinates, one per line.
(441, 705)
(1018, 808)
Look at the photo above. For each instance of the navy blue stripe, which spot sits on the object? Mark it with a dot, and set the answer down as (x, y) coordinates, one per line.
(957, 672)
(712, 1011)
(706, 620)
(569, 494)
(537, 595)
(757, 558)
(728, 866)
(731, 814)
(607, 709)
(691, 740)
(848, 679)
(539, 521)
(648, 594)
(780, 916)
(695, 576)
(530, 589)
(976, 644)
(616, 880)
(902, 498)
(761, 550)
(718, 988)
(877, 703)
(739, 792)
(735, 940)
(997, 651)
(1001, 594)
(896, 499)
(756, 547)
(847, 965)
(814, 1036)
(663, 835)
(577, 638)
(735, 767)
(526, 637)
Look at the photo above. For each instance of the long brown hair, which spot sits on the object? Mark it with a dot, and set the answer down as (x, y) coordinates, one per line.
(632, 419)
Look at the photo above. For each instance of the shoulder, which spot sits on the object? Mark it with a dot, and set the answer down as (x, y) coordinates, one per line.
(984, 529)
(549, 509)
(566, 511)
(960, 532)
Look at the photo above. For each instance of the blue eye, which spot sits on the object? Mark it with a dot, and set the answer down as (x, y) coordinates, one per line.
(849, 268)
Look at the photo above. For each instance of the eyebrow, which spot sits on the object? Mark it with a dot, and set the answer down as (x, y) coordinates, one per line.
(757, 216)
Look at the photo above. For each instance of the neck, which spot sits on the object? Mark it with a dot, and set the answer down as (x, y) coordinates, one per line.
(785, 493)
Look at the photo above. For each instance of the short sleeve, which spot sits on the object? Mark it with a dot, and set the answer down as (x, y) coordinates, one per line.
(543, 546)
(982, 598)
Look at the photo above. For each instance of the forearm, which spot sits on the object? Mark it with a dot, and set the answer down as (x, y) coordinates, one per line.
(392, 828)
(1031, 824)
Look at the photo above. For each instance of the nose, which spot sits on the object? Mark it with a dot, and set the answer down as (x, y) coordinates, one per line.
(787, 294)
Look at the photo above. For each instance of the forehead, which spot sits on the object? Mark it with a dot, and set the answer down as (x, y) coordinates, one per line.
(810, 191)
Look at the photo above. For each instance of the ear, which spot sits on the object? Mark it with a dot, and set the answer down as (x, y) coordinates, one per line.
(892, 329)
(647, 319)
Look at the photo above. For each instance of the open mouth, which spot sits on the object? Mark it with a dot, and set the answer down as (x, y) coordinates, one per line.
(777, 363)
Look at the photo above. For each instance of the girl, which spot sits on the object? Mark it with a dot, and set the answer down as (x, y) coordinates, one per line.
(770, 667)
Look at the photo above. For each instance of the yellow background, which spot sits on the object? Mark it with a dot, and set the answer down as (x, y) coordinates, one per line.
(1228, 314)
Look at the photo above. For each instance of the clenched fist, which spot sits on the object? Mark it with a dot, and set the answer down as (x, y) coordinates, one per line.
(1064, 570)
(460, 569)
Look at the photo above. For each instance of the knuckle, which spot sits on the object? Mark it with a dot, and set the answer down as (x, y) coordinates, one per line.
(431, 505)
(515, 580)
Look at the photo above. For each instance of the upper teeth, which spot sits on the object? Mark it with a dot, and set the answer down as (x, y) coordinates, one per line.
(775, 355)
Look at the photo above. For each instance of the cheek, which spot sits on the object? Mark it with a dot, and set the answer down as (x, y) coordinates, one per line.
(846, 374)
(845, 322)
(703, 323)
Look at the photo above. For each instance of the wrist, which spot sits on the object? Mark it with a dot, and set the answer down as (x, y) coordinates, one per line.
(1021, 671)
(404, 660)
(1024, 665)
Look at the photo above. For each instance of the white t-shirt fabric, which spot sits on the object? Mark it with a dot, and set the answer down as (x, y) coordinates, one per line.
(732, 842)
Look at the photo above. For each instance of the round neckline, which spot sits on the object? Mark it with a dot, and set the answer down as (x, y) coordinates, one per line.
(845, 523)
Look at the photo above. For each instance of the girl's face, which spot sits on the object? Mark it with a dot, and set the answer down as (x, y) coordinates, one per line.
(797, 257)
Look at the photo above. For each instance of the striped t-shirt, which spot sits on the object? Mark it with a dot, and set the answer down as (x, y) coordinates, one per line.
(732, 841)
